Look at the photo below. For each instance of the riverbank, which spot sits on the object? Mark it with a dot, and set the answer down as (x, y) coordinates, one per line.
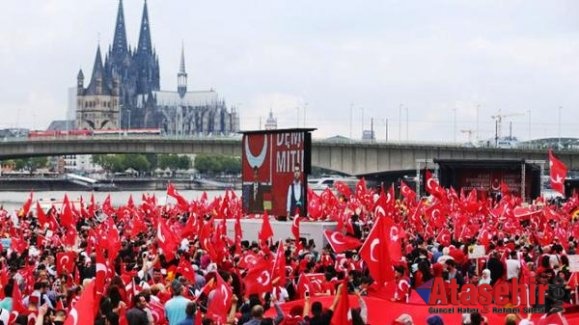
(27, 184)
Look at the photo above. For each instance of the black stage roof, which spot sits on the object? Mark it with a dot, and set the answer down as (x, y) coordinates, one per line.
(480, 163)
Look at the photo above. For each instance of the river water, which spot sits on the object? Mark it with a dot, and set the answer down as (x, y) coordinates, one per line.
(12, 201)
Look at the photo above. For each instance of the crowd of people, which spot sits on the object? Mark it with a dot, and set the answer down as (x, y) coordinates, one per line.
(174, 264)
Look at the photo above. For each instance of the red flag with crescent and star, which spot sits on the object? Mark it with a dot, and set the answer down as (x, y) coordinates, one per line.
(342, 315)
(376, 253)
(258, 279)
(340, 242)
(65, 262)
(266, 231)
(219, 305)
(26, 206)
(166, 239)
(83, 311)
(558, 173)
(296, 228)
(408, 193)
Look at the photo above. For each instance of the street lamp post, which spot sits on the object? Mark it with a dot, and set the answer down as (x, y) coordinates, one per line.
(351, 118)
(305, 107)
(454, 124)
(407, 139)
(400, 123)
(559, 118)
(529, 112)
(362, 109)
(297, 116)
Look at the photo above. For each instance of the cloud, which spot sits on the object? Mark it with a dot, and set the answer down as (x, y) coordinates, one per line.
(345, 60)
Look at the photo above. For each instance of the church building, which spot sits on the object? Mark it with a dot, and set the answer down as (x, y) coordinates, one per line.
(124, 92)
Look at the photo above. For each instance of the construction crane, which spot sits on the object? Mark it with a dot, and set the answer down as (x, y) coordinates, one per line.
(499, 123)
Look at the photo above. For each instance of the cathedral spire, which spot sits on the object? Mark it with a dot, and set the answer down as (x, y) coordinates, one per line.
(120, 38)
(182, 75)
(95, 86)
(145, 33)
(182, 65)
(97, 70)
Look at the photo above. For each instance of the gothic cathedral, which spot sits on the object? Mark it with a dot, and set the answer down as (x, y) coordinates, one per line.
(124, 92)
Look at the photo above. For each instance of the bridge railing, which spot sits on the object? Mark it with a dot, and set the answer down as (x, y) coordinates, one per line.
(571, 146)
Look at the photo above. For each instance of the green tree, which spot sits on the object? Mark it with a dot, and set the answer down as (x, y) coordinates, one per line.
(153, 159)
(231, 165)
(38, 162)
(184, 162)
(19, 164)
(170, 161)
(110, 163)
(215, 164)
(135, 161)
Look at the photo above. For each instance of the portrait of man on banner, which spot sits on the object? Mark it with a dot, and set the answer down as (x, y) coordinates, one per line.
(256, 188)
(275, 165)
(256, 192)
(296, 194)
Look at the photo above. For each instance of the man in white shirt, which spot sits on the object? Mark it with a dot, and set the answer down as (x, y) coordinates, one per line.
(513, 266)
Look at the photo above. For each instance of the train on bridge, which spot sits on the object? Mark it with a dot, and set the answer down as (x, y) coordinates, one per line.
(51, 134)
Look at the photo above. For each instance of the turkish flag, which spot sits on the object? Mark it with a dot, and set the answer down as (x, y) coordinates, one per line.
(341, 315)
(65, 262)
(444, 237)
(258, 279)
(266, 231)
(91, 207)
(186, 270)
(17, 305)
(432, 185)
(69, 237)
(315, 202)
(407, 192)
(67, 217)
(26, 206)
(248, 261)
(304, 285)
(167, 240)
(238, 231)
(381, 206)
(107, 206)
(376, 253)
(158, 312)
(181, 201)
(525, 212)
(361, 190)
(83, 311)
(318, 282)
(101, 273)
(340, 242)
(40, 215)
(296, 228)
(219, 306)
(558, 173)
(191, 226)
(278, 271)
(343, 188)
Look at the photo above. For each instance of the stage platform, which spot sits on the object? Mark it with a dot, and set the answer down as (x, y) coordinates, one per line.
(282, 230)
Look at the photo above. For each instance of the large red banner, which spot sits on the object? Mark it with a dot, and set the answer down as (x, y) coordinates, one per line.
(273, 165)
(488, 181)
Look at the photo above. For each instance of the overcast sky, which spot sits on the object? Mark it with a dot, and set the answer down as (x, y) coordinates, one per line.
(344, 62)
